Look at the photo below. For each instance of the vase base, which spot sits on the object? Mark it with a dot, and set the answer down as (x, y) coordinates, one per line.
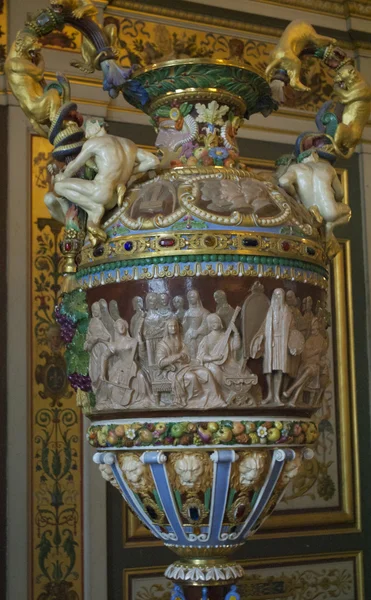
(200, 572)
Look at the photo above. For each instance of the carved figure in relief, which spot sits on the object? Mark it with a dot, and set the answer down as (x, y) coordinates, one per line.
(354, 93)
(164, 307)
(292, 303)
(137, 320)
(223, 309)
(106, 318)
(137, 475)
(192, 386)
(107, 474)
(190, 472)
(153, 326)
(217, 350)
(254, 311)
(324, 317)
(248, 471)
(307, 316)
(246, 196)
(278, 341)
(290, 470)
(194, 323)
(178, 304)
(125, 382)
(97, 338)
(114, 159)
(297, 37)
(314, 183)
(25, 71)
(308, 377)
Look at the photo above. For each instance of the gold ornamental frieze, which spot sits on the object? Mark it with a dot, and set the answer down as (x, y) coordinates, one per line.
(209, 244)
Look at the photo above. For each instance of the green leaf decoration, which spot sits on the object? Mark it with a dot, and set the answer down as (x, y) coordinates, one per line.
(74, 305)
(69, 548)
(67, 458)
(57, 571)
(57, 537)
(186, 108)
(92, 399)
(44, 548)
(76, 357)
(82, 326)
(163, 111)
(56, 464)
(250, 86)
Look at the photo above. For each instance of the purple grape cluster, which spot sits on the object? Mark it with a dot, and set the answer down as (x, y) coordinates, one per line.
(68, 327)
(80, 381)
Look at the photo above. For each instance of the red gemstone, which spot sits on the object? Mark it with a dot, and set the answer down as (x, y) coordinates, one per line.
(286, 246)
(68, 246)
(167, 242)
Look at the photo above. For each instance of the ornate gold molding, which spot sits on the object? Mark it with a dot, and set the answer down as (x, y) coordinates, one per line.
(342, 9)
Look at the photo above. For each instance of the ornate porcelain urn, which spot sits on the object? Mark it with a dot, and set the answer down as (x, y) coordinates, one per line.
(195, 311)
(190, 330)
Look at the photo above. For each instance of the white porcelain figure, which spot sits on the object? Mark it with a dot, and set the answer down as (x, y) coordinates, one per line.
(96, 344)
(223, 309)
(312, 358)
(125, 382)
(192, 386)
(278, 340)
(114, 160)
(251, 467)
(194, 323)
(314, 183)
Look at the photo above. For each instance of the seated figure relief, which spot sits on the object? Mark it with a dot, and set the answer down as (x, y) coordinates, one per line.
(175, 356)
(192, 386)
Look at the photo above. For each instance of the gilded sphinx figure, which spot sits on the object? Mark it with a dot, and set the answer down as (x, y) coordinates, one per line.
(354, 94)
(25, 70)
(296, 38)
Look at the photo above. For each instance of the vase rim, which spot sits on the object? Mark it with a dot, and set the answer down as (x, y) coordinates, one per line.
(198, 61)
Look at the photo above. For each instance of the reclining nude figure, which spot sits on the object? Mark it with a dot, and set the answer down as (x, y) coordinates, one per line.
(114, 159)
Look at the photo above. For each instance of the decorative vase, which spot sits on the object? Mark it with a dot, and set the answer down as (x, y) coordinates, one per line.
(195, 321)
(202, 273)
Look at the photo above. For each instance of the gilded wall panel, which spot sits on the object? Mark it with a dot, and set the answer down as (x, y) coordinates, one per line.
(55, 425)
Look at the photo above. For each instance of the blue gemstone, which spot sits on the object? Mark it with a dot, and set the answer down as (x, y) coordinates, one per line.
(193, 513)
(310, 251)
(128, 246)
(43, 20)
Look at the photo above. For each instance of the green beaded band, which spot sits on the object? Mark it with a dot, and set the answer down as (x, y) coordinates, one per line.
(256, 260)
